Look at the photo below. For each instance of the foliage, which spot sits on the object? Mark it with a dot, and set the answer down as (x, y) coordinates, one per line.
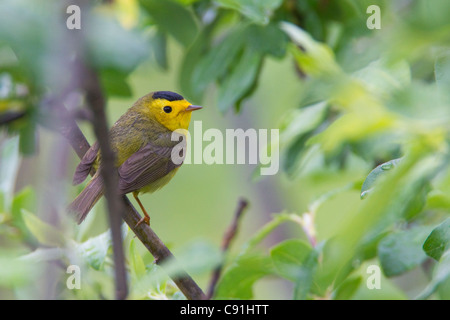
(371, 121)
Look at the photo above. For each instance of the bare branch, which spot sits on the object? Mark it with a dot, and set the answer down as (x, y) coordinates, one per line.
(96, 102)
(228, 237)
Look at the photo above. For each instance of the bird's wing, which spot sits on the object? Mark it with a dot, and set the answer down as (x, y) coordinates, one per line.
(145, 166)
(85, 166)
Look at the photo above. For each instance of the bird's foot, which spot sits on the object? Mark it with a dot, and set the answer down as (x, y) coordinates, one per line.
(145, 219)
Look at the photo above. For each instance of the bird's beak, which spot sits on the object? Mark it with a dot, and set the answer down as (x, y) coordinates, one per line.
(193, 108)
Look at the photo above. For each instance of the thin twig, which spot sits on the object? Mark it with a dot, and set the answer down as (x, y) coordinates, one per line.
(226, 241)
(96, 102)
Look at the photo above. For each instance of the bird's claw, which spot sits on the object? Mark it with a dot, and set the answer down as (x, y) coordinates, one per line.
(145, 220)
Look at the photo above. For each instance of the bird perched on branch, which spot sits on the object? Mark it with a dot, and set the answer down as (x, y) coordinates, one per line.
(142, 142)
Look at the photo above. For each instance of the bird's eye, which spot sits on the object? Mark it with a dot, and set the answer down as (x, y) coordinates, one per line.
(167, 109)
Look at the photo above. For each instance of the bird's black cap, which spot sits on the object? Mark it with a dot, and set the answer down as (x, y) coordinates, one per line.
(168, 95)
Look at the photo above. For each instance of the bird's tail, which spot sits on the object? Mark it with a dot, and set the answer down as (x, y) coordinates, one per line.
(87, 199)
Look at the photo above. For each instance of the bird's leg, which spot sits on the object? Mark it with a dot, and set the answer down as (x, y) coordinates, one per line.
(146, 217)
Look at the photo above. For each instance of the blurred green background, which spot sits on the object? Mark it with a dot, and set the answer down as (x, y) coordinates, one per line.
(345, 98)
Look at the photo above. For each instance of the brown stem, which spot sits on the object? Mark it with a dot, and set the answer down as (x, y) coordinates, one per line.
(226, 241)
(96, 103)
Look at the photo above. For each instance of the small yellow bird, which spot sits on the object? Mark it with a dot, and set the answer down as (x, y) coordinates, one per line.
(141, 140)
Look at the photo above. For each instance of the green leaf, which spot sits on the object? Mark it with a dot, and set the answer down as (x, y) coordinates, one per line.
(384, 79)
(45, 233)
(114, 83)
(315, 58)
(137, 265)
(240, 80)
(288, 256)
(268, 39)
(159, 48)
(300, 121)
(24, 199)
(375, 174)
(442, 70)
(214, 64)
(14, 271)
(440, 275)
(44, 254)
(348, 288)
(190, 61)
(256, 10)
(438, 240)
(197, 257)
(297, 127)
(376, 214)
(401, 251)
(237, 281)
(95, 250)
(305, 275)
(262, 233)
(113, 47)
(173, 18)
(8, 170)
(438, 200)
(27, 138)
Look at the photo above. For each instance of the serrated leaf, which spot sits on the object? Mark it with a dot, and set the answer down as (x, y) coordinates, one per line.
(438, 241)
(288, 256)
(173, 18)
(45, 233)
(375, 174)
(401, 251)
